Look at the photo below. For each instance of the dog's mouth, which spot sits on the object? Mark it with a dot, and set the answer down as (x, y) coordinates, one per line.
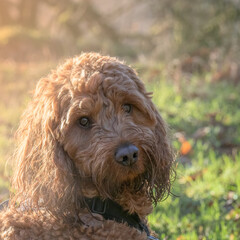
(127, 178)
(126, 166)
(129, 172)
(111, 179)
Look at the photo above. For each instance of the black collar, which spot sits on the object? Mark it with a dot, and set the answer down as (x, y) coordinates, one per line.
(110, 210)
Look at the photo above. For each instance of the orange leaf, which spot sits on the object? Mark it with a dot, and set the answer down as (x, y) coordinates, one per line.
(185, 148)
(231, 237)
(180, 237)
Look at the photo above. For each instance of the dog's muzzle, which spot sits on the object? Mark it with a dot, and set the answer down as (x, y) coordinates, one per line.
(126, 154)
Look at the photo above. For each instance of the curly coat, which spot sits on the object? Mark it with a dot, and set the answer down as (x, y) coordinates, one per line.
(60, 161)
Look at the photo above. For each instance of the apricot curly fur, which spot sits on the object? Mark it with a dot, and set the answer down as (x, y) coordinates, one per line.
(59, 162)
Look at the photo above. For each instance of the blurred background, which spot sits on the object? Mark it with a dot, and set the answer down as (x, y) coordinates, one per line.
(156, 29)
(186, 52)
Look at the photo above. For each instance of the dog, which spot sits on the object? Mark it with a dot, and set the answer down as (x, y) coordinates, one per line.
(93, 156)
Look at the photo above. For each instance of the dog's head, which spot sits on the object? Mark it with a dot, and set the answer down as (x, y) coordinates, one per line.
(90, 130)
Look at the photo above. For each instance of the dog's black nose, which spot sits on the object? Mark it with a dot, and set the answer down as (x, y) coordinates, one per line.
(126, 154)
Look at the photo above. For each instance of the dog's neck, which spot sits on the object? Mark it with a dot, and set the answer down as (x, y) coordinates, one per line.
(135, 202)
(129, 200)
(111, 210)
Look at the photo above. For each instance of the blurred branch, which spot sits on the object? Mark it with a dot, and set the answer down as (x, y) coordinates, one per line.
(94, 17)
(123, 9)
(183, 28)
(5, 17)
(28, 12)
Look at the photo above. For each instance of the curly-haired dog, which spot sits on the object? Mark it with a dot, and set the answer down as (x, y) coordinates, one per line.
(93, 156)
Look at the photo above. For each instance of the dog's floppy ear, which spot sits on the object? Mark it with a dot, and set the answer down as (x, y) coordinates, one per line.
(161, 171)
(44, 173)
(162, 161)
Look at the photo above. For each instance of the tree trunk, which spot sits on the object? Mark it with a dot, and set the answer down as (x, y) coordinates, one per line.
(28, 12)
(4, 13)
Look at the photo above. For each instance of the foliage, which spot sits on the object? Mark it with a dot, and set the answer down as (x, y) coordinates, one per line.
(160, 28)
(205, 201)
(211, 24)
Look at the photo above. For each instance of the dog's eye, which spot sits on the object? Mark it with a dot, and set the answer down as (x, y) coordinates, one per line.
(127, 108)
(84, 122)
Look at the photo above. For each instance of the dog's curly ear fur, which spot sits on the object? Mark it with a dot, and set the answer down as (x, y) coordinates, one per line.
(163, 172)
(160, 172)
(45, 173)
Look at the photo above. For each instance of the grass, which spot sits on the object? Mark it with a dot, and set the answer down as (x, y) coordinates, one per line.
(205, 203)
(207, 116)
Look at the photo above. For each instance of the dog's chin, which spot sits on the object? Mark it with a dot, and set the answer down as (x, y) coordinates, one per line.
(129, 173)
(119, 178)
(111, 180)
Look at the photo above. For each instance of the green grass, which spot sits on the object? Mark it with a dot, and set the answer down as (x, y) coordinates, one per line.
(207, 187)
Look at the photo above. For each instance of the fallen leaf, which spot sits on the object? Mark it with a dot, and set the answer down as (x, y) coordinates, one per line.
(185, 148)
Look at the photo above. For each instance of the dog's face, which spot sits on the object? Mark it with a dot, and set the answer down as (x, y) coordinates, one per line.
(111, 133)
(98, 129)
